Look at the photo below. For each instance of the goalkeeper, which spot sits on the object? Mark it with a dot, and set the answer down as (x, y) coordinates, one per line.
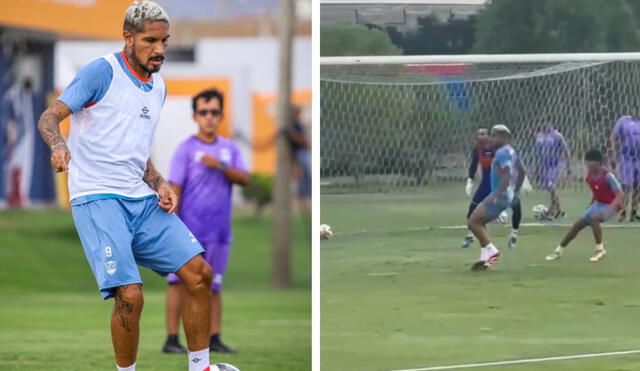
(482, 154)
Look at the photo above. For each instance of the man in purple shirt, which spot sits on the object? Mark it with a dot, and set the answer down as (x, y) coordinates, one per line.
(625, 147)
(553, 153)
(203, 171)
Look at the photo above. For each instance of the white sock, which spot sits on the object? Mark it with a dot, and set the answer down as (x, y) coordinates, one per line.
(199, 361)
(470, 234)
(487, 251)
(599, 246)
(514, 232)
(130, 368)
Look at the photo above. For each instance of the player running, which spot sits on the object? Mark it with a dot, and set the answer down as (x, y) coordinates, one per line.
(625, 143)
(122, 207)
(203, 171)
(553, 155)
(606, 202)
(482, 154)
(507, 176)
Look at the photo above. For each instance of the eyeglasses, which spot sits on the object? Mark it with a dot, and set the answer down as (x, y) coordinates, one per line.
(213, 112)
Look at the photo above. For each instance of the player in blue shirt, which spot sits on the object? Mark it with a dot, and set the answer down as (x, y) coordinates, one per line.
(482, 156)
(507, 176)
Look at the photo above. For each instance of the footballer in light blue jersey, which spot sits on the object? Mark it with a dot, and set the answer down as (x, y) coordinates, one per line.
(122, 207)
(482, 156)
(507, 176)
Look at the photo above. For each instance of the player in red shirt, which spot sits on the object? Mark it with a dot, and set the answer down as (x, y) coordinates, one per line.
(606, 203)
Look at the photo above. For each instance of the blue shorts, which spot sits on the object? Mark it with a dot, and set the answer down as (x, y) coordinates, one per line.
(118, 234)
(494, 209)
(605, 210)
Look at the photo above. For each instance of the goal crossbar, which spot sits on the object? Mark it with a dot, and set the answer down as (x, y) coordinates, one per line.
(481, 58)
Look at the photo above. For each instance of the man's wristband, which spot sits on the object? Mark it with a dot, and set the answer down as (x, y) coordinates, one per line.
(223, 166)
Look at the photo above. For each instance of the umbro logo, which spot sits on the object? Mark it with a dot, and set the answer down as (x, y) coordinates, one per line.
(196, 360)
(145, 113)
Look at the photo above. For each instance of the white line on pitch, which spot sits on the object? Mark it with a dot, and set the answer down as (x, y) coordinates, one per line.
(520, 361)
(458, 227)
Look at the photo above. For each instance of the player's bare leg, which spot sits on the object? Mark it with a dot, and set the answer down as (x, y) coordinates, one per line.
(625, 202)
(597, 236)
(488, 252)
(125, 323)
(215, 343)
(196, 310)
(573, 232)
(216, 312)
(555, 211)
(175, 296)
(635, 200)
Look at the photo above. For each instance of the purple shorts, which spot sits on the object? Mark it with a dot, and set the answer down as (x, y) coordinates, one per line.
(217, 255)
(550, 175)
(629, 172)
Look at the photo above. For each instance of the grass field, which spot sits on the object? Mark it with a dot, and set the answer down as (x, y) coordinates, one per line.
(53, 318)
(397, 292)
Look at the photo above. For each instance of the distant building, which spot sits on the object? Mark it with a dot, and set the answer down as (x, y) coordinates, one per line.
(403, 14)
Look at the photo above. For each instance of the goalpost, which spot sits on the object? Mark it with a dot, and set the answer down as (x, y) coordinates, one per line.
(395, 123)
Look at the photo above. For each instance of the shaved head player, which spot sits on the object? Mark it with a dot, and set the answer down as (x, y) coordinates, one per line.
(122, 207)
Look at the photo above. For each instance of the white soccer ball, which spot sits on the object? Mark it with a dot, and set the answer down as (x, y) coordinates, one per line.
(223, 367)
(325, 232)
(540, 212)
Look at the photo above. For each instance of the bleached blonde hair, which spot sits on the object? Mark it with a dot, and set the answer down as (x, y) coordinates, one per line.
(141, 12)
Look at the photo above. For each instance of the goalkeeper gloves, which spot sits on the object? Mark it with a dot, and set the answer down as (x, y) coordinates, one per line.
(469, 187)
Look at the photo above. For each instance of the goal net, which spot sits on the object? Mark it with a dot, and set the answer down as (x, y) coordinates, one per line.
(401, 123)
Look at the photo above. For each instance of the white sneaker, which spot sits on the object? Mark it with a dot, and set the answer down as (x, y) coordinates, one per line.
(599, 254)
(493, 255)
(557, 254)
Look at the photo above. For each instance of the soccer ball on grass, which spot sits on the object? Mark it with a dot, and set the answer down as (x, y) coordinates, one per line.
(325, 232)
(540, 212)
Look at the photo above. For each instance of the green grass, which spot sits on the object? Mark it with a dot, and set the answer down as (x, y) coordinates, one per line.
(397, 292)
(52, 316)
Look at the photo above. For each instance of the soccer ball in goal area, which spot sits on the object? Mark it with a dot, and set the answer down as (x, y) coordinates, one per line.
(325, 232)
(391, 123)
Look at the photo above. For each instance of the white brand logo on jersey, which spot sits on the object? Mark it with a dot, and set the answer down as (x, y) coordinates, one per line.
(107, 251)
(110, 266)
(145, 113)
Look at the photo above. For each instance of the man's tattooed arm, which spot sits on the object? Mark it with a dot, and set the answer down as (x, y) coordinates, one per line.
(49, 125)
(152, 177)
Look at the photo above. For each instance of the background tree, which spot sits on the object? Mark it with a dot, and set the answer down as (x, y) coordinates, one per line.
(555, 26)
(453, 36)
(343, 39)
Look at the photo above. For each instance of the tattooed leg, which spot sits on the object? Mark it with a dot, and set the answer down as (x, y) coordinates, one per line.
(125, 321)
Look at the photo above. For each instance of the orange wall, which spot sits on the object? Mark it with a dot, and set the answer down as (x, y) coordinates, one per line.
(264, 128)
(96, 18)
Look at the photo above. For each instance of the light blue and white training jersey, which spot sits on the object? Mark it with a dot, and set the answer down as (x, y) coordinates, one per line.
(115, 114)
(506, 157)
